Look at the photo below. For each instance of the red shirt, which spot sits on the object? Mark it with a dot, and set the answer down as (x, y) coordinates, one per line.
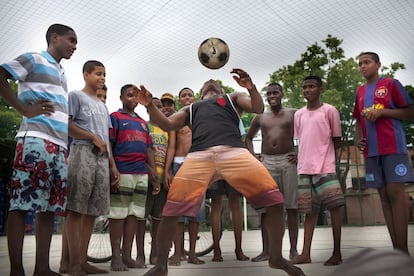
(386, 135)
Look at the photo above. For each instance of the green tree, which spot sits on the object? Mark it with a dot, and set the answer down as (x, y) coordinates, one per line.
(408, 126)
(340, 75)
(341, 79)
(10, 119)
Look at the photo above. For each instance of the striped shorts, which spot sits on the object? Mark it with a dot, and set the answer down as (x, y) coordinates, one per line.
(313, 190)
(130, 197)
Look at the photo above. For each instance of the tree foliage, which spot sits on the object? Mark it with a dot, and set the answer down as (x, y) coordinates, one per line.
(341, 79)
(340, 75)
(408, 126)
(10, 119)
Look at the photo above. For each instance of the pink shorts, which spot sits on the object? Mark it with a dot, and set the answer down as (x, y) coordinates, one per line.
(235, 165)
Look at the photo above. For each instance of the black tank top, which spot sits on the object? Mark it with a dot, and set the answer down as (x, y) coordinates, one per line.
(214, 122)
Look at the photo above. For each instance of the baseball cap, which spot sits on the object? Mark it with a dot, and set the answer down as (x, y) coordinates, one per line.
(167, 96)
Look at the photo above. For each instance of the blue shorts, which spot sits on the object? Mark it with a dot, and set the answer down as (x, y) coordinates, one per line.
(392, 168)
(38, 182)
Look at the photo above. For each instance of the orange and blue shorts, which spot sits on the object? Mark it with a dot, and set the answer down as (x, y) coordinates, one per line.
(237, 166)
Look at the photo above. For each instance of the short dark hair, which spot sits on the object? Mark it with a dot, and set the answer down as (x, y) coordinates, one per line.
(125, 88)
(182, 89)
(316, 78)
(90, 65)
(105, 88)
(58, 29)
(275, 84)
(215, 83)
(375, 56)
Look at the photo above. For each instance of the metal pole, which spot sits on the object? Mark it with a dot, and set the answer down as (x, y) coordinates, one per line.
(245, 213)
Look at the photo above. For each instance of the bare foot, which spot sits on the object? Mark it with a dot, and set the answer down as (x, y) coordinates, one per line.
(174, 261)
(335, 259)
(182, 258)
(130, 263)
(157, 271)
(301, 259)
(217, 258)
(117, 264)
(261, 257)
(118, 267)
(46, 273)
(64, 268)
(217, 255)
(240, 256)
(141, 262)
(90, 269)
(153, 259)
(293, 254)
(76, 271)
(286, 266)
(195, 260)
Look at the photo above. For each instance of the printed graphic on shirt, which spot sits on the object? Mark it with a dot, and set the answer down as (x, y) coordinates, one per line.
(381, 92)
(372, 107)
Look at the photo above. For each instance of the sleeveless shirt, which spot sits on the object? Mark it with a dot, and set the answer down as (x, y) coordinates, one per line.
(214, 122)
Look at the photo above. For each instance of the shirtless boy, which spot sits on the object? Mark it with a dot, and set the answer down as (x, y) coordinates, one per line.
(278, 156)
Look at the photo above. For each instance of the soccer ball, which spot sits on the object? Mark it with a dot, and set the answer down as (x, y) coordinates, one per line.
(213, 53)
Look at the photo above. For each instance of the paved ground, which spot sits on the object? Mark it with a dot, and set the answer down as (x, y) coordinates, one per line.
(353, 240)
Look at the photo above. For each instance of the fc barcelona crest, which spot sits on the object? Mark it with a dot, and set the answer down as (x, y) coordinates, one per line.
(381, 92)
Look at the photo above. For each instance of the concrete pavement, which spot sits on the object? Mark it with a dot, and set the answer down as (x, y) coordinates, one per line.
(354, 239)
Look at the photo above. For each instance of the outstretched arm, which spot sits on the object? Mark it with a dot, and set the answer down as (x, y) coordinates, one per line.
(174, 122)
(254, 104)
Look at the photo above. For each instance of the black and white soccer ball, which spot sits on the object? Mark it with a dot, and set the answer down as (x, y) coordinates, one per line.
(213, 53)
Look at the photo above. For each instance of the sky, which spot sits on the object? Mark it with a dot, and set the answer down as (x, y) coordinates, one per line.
(155, 43)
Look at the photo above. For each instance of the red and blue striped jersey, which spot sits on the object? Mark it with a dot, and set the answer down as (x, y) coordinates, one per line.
(130, 140)
(386, 135)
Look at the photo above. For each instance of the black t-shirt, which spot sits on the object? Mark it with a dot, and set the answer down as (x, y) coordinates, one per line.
(214, 122)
